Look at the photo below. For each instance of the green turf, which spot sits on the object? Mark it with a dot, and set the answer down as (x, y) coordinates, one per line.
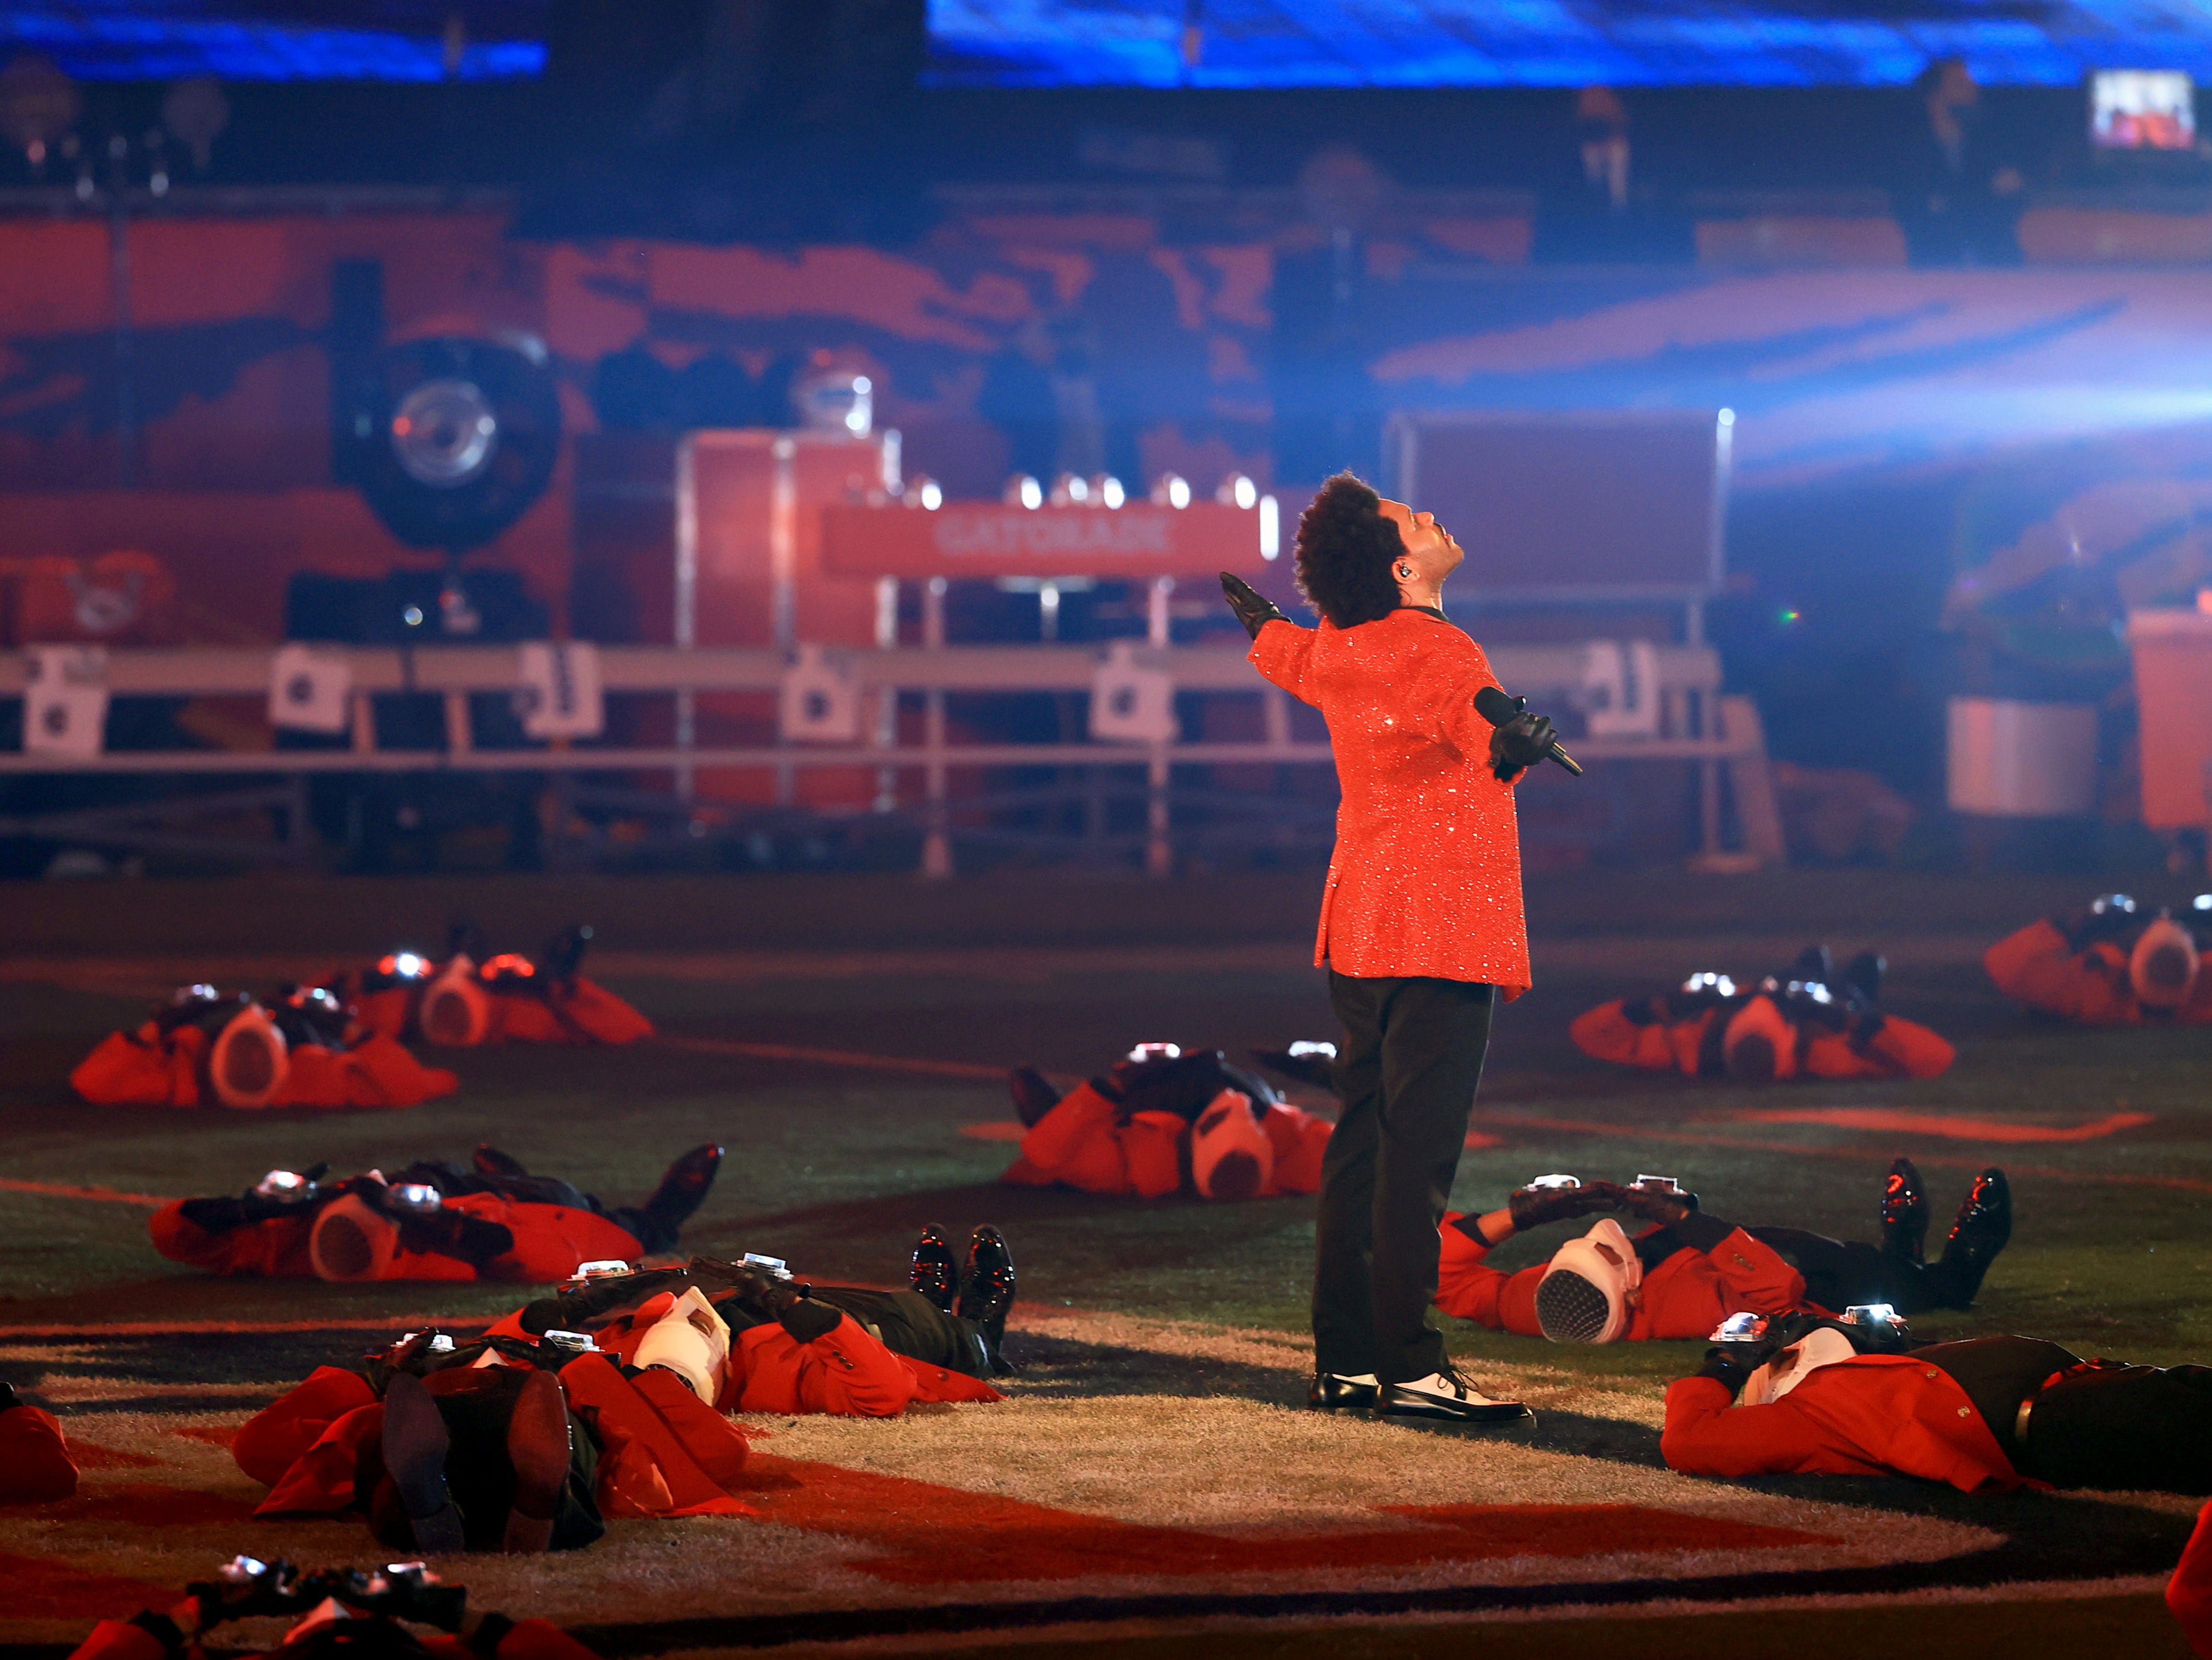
(837, 1170)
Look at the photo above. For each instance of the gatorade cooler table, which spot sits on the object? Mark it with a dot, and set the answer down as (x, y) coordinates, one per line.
(2173, 697)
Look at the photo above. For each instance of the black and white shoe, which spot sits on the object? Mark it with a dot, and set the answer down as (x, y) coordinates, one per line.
(1448, 1397)
(1331, 1391)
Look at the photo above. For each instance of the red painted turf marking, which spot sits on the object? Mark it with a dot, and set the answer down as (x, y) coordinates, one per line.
(834, 1057)
(142, 1504)
(933, 1534)
(39, 1588)
(215, 1435)
(61, 1190)
(1954, 1128)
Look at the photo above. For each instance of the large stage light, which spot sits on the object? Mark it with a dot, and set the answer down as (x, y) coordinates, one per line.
(458, 441)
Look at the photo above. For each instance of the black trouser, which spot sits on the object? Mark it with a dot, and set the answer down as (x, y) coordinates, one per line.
(1839, 1273)
(1407, 1074)
(454, 1180)
(907, 1323)
(2105, 1425)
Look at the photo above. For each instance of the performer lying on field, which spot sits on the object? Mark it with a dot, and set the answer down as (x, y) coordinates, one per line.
(35, 1466)
(2108, 965)
(349, 1612)
(1808, 1022)
(206, 1048)
(607, 1398)
(432, 1220)
(1688, 1272)
(473, 997)
(1826, 1397)
(1159, 1118)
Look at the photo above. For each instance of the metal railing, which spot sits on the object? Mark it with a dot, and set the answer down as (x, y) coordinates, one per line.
(913, 778)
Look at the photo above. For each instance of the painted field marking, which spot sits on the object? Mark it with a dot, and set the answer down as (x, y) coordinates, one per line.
(1931, 1123)
(833, 1057)
(62, 1190)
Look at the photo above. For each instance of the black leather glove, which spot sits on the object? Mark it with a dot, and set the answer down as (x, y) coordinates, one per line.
(1656, 1205)
(2109, 919)
(1733, 1364)
(1532, 1208)
(759, 1293)
(1520, 743)
(1254, 609)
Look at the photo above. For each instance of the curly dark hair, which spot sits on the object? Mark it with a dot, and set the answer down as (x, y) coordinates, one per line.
(1345, 548)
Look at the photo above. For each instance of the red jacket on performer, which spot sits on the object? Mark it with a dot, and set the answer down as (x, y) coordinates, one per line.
(1686, 1295)
(2089, 984)
(551, 1242)
(1089, 1141)
(1875, 1414)
(847, 1373)
(2188, 1593)
(525, 1640)
(35, 1466)
(1426, 880)
(1808, 1021)
(150, 1068)
(662, 1451)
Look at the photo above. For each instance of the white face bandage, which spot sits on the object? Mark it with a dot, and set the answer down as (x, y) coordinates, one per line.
(249, 1060)
(456, 1008)
(1589, 1289)
(1231, 1157)
(352, 1240)
(691, 1342)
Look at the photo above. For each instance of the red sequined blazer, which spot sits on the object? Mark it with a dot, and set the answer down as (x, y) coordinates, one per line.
(1426, 880)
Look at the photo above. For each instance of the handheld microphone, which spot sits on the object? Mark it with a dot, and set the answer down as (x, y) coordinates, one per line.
(1495, 707)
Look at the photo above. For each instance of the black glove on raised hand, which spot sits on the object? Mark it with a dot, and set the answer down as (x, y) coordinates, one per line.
(1532, 1208)
(2109, 919)
(1733, 1364)
(1254, 609)
(1520, 743)
(1656, 1205)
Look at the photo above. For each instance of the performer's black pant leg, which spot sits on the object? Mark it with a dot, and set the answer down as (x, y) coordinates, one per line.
(1839, 1273)
(907, 1323)
(1343, 1309)
(1408, 1072)
(2124, 1428)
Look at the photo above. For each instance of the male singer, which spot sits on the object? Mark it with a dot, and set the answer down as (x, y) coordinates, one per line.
(1421, 926)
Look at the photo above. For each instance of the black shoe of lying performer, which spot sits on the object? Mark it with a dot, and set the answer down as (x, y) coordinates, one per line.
(1903, 1212)
(1033, 1095)
(935, 1271)
(682, 1191)
(987, 1289)
(1982, 1229)
(494, 1165)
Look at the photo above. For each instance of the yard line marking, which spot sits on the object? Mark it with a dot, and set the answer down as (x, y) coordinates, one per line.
(834, 1057)
(1931, 1123)
(62, 1190)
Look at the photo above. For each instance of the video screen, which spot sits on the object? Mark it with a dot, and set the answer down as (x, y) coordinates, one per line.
(2141, 110)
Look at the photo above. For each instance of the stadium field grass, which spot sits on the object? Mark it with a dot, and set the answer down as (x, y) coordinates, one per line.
(1128, 1309)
